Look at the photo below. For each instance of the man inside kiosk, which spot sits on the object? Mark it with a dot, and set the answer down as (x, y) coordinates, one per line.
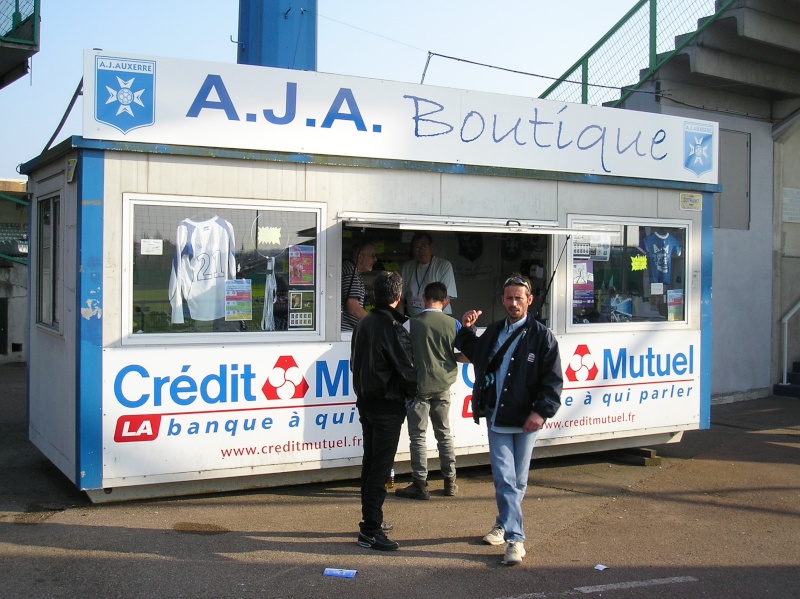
(422, 269)
(353, 290)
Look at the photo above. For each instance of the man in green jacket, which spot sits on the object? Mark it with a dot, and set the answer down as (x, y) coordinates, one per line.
(433, 336)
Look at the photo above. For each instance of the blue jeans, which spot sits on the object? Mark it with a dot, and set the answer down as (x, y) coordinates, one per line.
(381, 434)
(510, 455)
(436, 408)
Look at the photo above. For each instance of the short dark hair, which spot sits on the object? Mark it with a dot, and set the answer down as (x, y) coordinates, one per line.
(422, 235)
(388, 286)
(359, 246)
(436, 291)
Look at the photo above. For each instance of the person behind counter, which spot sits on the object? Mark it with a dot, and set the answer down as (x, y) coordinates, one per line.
(353, 291)
(518, 382)
(425, 268)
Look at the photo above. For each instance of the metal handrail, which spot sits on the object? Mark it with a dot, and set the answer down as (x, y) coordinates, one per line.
(607, 50)
(785, 339)
(657, 64)
(12, 259)
(19, 18)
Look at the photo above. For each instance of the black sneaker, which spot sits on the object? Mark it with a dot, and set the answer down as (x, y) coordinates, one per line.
(377, 541)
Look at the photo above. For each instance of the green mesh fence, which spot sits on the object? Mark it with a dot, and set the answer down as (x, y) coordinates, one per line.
(634, 48)
(19, 21)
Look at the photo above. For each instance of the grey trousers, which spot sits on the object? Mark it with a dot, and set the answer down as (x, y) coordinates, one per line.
(436, 408)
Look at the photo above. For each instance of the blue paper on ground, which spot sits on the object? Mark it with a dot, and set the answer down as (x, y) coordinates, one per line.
(339, 573)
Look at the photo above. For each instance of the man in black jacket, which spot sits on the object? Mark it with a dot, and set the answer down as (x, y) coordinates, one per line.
(384, 379)
(518, 382)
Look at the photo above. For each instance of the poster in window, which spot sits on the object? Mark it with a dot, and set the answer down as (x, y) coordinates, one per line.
(592, 247)
(675, 304)
(238, 299)
(583, 284)
(301, 265)
(301, 310)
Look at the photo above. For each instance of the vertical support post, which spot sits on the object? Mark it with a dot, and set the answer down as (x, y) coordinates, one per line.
(278, 33)
(785, 351)
(706, 262)
(585, 81)
(653, 33)
(89, 394)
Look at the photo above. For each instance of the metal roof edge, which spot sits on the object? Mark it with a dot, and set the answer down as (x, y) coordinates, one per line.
(351, 161)
(50, 154)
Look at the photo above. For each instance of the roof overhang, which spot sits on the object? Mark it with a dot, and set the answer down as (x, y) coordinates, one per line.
(377, 220)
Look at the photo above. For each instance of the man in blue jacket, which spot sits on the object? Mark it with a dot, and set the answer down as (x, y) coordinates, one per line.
(518, 382)
(384, 379)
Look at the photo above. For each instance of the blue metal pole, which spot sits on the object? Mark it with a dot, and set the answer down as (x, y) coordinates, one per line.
(278, 33)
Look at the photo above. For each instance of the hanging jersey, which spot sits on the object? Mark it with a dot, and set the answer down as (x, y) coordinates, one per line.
(204, 259)
(660, 249)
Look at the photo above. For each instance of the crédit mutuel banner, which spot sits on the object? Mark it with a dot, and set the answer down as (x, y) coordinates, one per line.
(187, 413)
(168, 101)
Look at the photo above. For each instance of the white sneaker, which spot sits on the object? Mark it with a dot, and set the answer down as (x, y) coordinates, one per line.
(515, 551)
(496, 536)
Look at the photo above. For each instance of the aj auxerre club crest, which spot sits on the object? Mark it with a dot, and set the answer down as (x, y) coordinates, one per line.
(125, 92)
(698, 152)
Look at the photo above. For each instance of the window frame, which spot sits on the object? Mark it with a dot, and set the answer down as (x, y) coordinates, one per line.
(578, 221)
(129, 338)
(49, 282)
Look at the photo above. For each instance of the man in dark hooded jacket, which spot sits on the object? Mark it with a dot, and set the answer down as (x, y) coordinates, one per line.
(384, 379)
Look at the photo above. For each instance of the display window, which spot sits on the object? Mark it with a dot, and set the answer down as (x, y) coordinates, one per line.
(628, 272)
(473, 264)
(207, 267)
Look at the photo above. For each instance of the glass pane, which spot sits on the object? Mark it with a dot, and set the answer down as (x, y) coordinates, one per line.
(54, 253)
(629, 273)
(199, 269)
(45, 262)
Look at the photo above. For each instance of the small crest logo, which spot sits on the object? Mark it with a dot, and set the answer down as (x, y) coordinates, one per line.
(581, 366)
(470, 245)
(286, 381)
(125, 91)
(698, 153)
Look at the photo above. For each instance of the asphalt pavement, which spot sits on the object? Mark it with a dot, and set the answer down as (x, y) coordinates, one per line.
(718, 518)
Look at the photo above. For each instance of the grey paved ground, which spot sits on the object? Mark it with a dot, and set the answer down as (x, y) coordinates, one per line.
(719, 518)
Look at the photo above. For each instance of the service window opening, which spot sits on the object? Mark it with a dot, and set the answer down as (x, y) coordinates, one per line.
(206, 268)
(629, 273)
(480, 263)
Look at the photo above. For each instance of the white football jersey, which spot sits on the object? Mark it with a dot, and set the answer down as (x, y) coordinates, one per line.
(204, 259)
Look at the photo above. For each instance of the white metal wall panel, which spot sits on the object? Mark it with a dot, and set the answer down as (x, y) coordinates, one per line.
(52, 382)
(528, 199)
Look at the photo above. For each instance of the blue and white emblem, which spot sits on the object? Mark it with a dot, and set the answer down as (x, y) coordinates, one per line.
(125, 91)
(698, 143)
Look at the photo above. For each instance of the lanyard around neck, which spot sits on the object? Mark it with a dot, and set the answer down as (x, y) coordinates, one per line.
(425, 276)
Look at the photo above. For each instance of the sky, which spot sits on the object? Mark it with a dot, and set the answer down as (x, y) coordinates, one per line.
(365, 38)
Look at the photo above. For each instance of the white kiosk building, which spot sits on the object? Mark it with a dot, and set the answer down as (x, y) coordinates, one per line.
(186, 257)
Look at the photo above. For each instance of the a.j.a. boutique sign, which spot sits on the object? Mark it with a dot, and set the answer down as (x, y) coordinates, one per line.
(169, 101)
